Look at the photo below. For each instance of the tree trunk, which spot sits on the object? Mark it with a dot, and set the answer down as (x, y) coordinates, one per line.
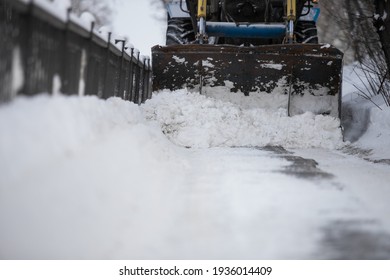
(382, 23)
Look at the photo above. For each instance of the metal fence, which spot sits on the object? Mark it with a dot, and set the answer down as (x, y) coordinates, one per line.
(42, 52)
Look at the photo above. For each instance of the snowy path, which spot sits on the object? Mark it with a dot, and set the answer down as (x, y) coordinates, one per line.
(223, 203)
(248, 203)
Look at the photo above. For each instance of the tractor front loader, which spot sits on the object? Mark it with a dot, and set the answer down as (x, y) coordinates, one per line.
(252, 47)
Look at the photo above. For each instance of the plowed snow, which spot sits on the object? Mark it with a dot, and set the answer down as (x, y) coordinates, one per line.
(193, 120)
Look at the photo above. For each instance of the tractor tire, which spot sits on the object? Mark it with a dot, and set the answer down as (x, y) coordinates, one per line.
(306, 32)
(179, 32)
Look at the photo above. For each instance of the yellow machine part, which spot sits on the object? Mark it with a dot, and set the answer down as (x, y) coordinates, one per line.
(202, 8)
(291, 9)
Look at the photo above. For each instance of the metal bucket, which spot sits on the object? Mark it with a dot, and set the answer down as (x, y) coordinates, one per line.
(307, 76)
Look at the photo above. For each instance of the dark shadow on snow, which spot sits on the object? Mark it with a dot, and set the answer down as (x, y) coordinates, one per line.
(354, 240)
(300, 167)
(355, 124)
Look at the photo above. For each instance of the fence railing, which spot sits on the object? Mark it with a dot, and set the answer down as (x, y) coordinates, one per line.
(43, 51)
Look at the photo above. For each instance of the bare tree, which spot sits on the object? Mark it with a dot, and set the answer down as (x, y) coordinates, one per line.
(359, 32)
(101, 9)
(382, 24)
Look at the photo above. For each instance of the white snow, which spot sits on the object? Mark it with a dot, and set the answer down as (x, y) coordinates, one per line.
(62, 4)
(384, 17)
(88, 18)
(193, 120)
(178, 59)
(84, 178)
(57, 8)
(272, 66)
(57, 83)
(50, 148)
(17, 72)
(207, 63)
(83, 65)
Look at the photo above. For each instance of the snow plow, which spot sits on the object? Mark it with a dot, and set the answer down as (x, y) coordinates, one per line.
(252, 47)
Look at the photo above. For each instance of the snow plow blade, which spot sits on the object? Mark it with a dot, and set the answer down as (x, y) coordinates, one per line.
(298, 77)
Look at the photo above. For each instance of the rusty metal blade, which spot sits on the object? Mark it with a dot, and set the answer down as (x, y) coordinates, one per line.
(313, 72)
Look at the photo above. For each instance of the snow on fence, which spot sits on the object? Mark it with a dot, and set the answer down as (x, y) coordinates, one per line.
(45, 50)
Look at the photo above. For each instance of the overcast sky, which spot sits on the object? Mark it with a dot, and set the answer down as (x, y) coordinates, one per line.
(142, 21)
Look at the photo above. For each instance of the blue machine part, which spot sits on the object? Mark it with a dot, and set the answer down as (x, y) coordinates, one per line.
(312, 15)
(255, 30)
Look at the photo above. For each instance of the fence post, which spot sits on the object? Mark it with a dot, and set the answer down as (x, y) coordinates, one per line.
(7, 50)
(144, 80)
(88, 61)
(65, 62)
(121, 93)
(149, 80)
(137, 80)
(131, 73)
(28, 46)
(105, 95)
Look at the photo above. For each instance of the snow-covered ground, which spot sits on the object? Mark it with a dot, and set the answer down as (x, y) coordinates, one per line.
(188, 176)
(185, 176)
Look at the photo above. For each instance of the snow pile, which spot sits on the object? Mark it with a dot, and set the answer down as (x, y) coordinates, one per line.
(80, 177)
(44, 128)
(368, 125)
(193, 120)
(366, 122)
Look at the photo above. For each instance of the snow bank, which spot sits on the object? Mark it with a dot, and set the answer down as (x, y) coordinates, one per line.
(366, 122)
(193, 120)
(43, 128)
(80, 177)
(368, 125)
